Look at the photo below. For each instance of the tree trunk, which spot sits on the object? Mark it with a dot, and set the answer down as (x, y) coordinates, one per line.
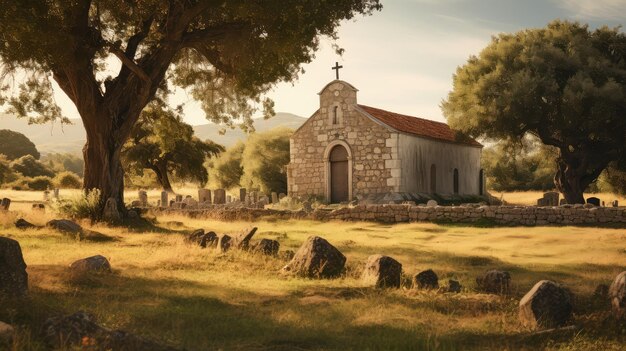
(569, 183)
(103, 171)
(576, 170)
(160, 169)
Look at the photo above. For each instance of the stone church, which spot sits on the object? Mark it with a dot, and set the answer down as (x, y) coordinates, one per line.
(347, 151)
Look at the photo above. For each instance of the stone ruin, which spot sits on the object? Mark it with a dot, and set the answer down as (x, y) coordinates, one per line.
(549, 199)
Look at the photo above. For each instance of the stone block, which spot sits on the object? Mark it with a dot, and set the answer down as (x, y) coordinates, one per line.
(204, 195)
(220, 196)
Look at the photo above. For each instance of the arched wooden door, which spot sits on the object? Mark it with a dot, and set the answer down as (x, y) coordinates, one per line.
(338, 174)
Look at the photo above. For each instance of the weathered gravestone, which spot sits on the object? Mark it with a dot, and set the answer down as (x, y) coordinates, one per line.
(224, 242)
(220, 196)
(179, 198)
(615, 203)
(546, 305)
(617, 295)
(164, 201)
(494, 281)
(202, 239)
(274, 198)
(46, 195)
(204, 195)
(453, 287)
(111, 212)
(267, 247)
(143, 197)
(5, 204)
(13, 276)
(229, 199)
(382, 272)
(242, 241)
(427, 279)
(551, 198)
(541, 202)
(242, 194)
(55, 193)
(316, 258)
(593, 201)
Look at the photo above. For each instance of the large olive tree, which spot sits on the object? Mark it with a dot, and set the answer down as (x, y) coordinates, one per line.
(228, 53)
(565, 84)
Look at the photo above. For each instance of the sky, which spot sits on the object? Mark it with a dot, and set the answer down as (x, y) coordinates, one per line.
(402, 58)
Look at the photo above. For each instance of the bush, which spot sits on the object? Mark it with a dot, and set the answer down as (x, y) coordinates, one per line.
(28, 166)
(68, 180)
(83, 206)
(39, 183)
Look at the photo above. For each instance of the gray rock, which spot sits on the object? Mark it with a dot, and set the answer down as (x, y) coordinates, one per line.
(242, 241)
(546, 305)
(65, 225)
(617, 295)
(316, 258)
(224, 243)
(13, 276)
(427, 279)
(96, 263)
(24, 224)
(267, 247)
(202, 239)
(382, 272)
(111, 213)
(453, 287)
(431, 203)
(72, 331)
(494, 281)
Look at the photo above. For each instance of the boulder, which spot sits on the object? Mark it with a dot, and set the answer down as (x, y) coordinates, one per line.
(224, 242)
(13, 276)
(494, 282)
(267, 247)
(316, 258)
(427, 279)
(80, 329)
(617, 295)
(431, 203)
(6, 334)
(202, 239)
(65, 225)
(24, 224)
(96, 263)
(242, 241)
(453, 287)
(382, 272)
(546, 305)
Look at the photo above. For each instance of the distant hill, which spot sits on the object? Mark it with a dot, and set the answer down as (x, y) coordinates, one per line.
(52, 138)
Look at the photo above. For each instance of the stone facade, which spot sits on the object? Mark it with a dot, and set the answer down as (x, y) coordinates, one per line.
(372, 148)
(383, 161)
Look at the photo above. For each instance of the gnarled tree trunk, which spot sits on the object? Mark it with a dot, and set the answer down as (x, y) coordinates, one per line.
(576, 170)
(160, 169)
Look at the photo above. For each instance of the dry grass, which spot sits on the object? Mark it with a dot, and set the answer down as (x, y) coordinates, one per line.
(530, 197)
(198, 299)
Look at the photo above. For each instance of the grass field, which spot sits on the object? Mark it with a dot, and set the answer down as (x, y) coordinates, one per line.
(198, 299)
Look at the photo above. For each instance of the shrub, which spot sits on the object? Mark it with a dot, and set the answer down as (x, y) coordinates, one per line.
(68, 180)
(83, 206)
(39, 183)
(28, 166)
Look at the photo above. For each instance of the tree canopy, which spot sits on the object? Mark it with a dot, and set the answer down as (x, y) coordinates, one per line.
(226, 53)
(15, 145)
(264, 161)
(163, 143)
(226, 169)
(28, 166)
(565, 84)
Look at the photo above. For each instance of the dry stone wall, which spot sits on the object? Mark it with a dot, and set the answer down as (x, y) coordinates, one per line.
(502, 215)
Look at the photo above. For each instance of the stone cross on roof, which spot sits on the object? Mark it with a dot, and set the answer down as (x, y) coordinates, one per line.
(336, 68)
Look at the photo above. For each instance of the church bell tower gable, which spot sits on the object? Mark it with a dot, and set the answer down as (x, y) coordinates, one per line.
(337, 101)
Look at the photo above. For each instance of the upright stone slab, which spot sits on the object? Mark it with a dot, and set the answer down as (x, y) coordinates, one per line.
(229, 199)
(274, 198)
(46, 195)
(179, 198)
(546, 305)
(494, 281)
(617, 295)
(164, 200)
(204, 195)
(382, 272)
(13, 276)
(242, 194)
(427, 280)
(551, 198)
(220, 196)
(111, 212)
(143, 197)
(593, 201)
(55, 193)
(5, 204)
(562, 202)
(615, 203)
(541, 202)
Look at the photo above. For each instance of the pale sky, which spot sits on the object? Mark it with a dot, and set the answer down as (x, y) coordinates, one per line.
(402, 59)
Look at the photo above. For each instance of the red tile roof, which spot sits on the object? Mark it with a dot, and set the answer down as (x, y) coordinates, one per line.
(419, 126)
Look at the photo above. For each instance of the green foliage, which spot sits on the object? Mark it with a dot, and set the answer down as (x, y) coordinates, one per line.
(28, 166)
(6, 172)
(511, 165)
(162, 142)
(84, 206)
(68, 180)
(64, 162)
(15, 145)
(613, 179)
(225, 170)
(39, 183)
(264, 161)
(564, 84)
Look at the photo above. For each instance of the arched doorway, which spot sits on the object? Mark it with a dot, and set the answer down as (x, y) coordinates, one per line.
(455, 181)
(433, 179)
(339, 185)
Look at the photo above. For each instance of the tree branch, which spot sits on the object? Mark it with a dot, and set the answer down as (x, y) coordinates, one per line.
(129, 63)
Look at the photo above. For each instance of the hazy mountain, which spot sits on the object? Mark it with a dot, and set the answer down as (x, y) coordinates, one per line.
(50, 138)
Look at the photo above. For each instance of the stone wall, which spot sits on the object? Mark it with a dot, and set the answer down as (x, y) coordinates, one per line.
(502, 215)
(372, 147)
